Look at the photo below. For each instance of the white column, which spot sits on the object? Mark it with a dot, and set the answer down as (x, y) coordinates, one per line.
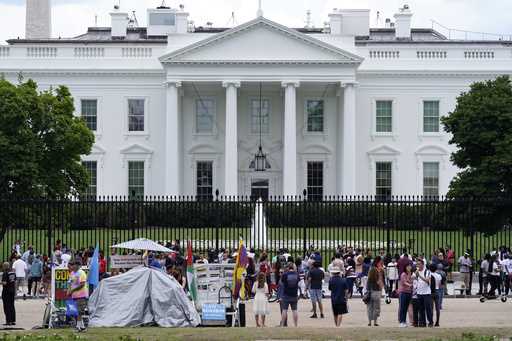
(348, 167)
(290, 139)
(231, 140)
(172, 140)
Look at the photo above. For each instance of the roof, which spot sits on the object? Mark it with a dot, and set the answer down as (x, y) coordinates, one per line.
(101, 35)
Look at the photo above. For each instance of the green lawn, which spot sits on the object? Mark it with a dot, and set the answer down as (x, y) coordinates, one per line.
(292, 238)
(236, 334)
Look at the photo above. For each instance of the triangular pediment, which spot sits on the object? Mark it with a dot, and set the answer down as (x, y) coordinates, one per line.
(261, 41)
(136, 149)
(383, 150)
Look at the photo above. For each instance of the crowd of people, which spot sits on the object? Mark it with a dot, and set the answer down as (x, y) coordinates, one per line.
(418, 282)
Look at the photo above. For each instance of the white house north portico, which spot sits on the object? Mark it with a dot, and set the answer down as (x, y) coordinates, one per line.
(342, 110)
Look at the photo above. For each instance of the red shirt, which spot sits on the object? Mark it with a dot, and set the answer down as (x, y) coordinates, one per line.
(103, 266)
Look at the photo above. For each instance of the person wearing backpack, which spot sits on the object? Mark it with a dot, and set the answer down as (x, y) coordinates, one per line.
(424, 293)
(437, 290)
(290, 280)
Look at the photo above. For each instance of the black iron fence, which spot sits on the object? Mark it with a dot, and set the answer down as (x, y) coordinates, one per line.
(417, 224)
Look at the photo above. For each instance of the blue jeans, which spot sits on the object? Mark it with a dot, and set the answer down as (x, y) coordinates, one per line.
(425, 310)
(440, 297)
(405, 300)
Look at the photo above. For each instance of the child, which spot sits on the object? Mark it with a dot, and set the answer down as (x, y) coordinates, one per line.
(414, 302)
(392, 275)
(260, 306)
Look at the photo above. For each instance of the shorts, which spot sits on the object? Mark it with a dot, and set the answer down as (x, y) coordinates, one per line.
(289, 302)
(339, 309)
(81, 304)
(315, 295)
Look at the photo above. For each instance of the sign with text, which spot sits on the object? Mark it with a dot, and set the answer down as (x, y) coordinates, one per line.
(213, 315)
(125, 262)
(61, 286)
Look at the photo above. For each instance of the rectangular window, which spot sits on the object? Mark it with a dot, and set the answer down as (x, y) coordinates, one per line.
(384, 117)
(90, 113)
(383, 180)
(205, 115)
(255, 116)
(162, 19)
(92, 169)
(315, 189)
(315, 115)
(431, 179)
(136, 109)
(204, 180)
(431, 116)
(136, 179)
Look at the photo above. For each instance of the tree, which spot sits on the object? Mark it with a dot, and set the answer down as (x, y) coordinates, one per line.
(481, 128)
(41, 142)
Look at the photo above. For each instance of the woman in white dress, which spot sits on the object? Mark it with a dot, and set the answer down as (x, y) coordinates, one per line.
(260, 304)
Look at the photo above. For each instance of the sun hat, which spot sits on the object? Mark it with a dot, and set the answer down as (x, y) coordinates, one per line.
(335, 270)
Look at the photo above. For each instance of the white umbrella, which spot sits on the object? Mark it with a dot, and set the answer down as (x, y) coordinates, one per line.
(142, 244)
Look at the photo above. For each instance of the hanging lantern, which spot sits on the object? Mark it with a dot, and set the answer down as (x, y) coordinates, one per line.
(260, 163)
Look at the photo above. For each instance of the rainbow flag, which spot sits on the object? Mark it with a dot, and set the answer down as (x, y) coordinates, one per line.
(238, 273)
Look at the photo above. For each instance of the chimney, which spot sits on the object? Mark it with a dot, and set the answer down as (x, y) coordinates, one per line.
(403, 23)
(350, 22)
(38, 19)
(119, 23)
(163, 21)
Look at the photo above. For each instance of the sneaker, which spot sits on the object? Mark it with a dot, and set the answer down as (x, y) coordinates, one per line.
(314, 316)
(322, 316)
(403, 325)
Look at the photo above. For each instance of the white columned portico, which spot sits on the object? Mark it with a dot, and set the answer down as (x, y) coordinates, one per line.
(231, 139)
(172, 140)
(347, 167)
(290, 138)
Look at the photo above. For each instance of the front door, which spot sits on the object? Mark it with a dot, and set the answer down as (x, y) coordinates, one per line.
(259, 189)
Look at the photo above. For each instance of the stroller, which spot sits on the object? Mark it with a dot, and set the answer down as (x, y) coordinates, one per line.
(500, 287)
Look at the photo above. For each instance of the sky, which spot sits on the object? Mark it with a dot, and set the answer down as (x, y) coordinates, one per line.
(72, 17)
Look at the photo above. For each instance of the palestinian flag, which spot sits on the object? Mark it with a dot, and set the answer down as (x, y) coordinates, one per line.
(191, 273)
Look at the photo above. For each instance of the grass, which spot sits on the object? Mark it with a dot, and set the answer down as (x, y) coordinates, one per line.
(232, 334)
(292, 238)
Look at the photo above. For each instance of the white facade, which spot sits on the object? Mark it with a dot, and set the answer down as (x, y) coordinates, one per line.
(377, 91)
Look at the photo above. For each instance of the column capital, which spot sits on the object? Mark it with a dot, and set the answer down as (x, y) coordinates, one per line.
(226, 84)
(293, 83)
(176, 84)
(347, 84)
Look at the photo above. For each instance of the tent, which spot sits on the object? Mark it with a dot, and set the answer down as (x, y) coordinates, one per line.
(142, 244)
(141, 296)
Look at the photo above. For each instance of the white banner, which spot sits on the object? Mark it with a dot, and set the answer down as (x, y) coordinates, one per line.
(125, 262)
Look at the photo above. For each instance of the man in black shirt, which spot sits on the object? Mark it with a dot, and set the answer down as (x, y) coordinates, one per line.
(315, 278)
(290, 281)
(8, 294)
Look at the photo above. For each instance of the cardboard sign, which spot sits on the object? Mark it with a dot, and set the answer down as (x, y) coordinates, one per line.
(125, 262)
(214, 315)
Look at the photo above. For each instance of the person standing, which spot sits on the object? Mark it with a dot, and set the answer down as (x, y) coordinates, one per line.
(424, 293)
(392, 275)
(315, 279)
(260, 305)
(339, 292)
(290, 281)
(405, 295)
(20, 267)
(436, 287)
(493, 276)
(374, 286)
(78, 290)
(36, 273)
(465, 269)
(9, 294)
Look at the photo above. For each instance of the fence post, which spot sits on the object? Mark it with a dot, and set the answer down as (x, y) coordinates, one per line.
(216, 222)
(131, 208)
(304, 229)
(49, 215)
(386, 226)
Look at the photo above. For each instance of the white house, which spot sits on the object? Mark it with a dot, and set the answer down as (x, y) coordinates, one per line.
(345, 109)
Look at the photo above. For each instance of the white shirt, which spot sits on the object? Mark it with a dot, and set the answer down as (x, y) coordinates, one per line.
(438, 278)
(20, 267)
(465, 264)
(423, 287)
(392, 271)
(507, 265)
(66, 257)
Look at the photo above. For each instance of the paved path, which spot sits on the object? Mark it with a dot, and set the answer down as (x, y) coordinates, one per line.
(456, 313)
